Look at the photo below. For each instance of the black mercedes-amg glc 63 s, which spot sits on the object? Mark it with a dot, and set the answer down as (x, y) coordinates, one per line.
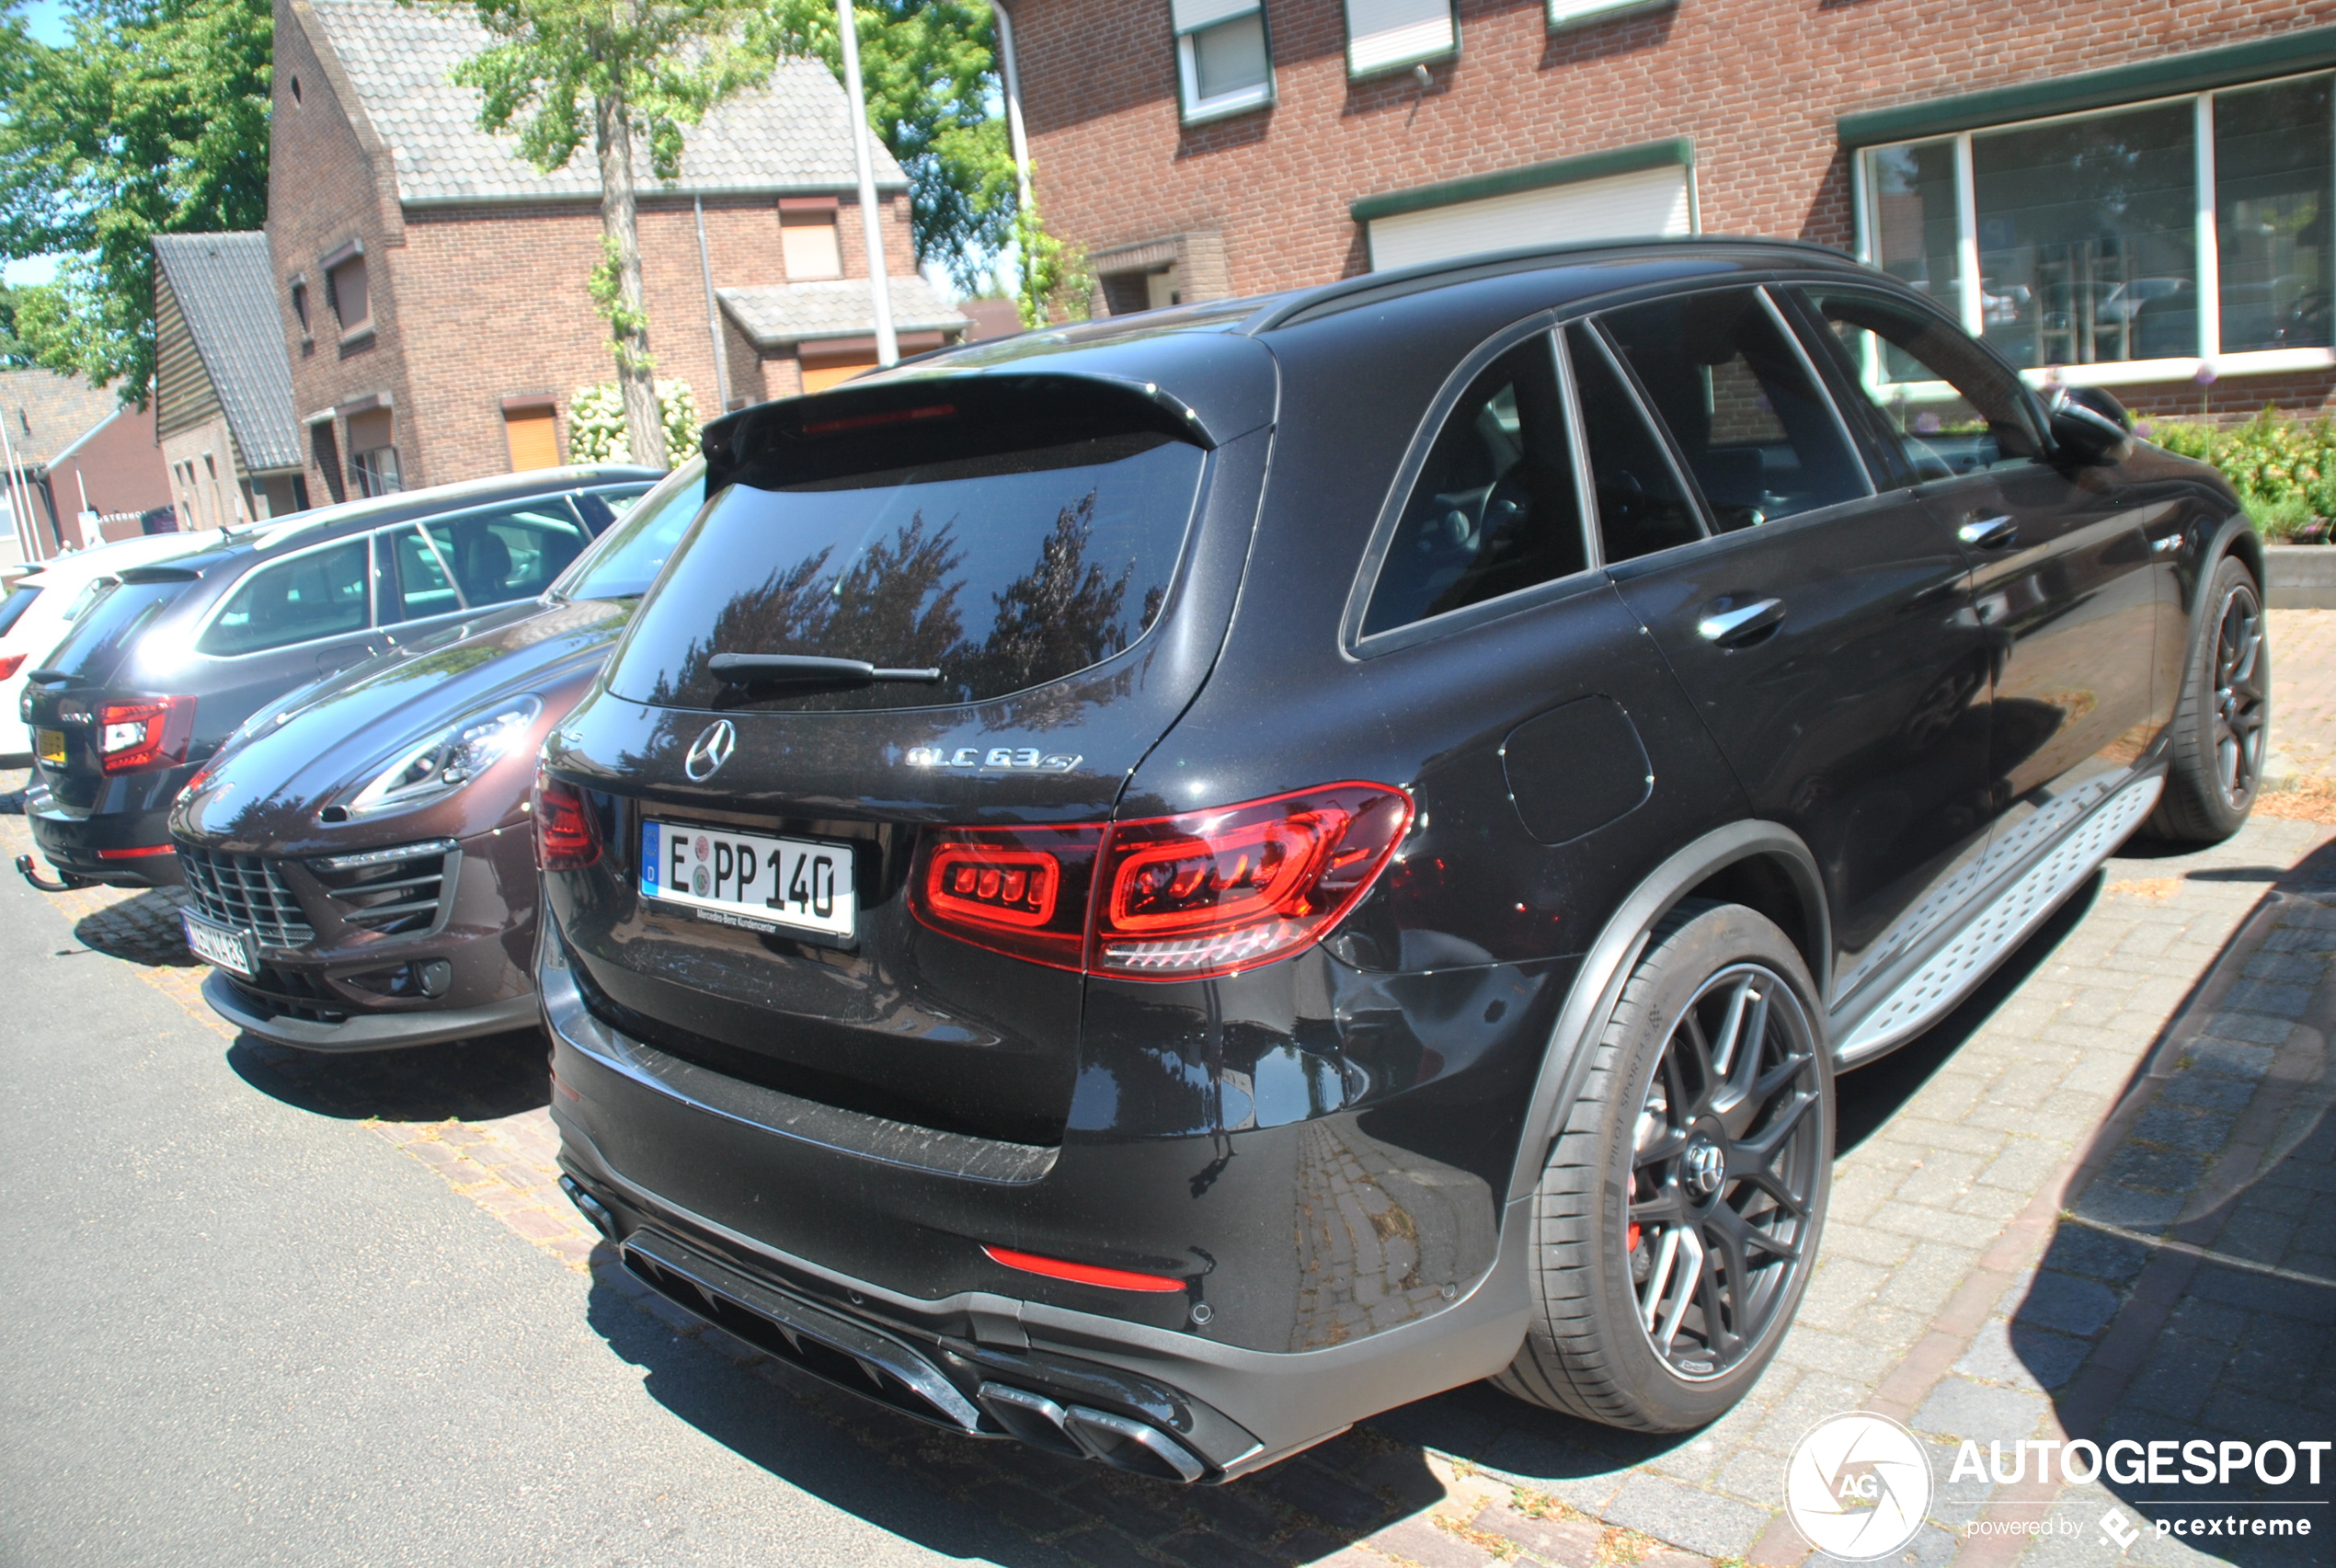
(1163, 887)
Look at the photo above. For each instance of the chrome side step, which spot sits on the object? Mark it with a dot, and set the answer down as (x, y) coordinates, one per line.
(1950, 973)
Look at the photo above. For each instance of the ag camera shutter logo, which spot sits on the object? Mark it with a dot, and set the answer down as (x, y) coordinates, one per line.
(1858, 1486)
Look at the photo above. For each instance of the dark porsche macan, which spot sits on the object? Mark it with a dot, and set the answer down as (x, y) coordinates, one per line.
(1160, 887)
(174, 657)
(360, 859)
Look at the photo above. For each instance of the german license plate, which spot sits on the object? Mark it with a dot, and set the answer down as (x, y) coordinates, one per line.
(750, 879)
(216, 944)
(49, 746)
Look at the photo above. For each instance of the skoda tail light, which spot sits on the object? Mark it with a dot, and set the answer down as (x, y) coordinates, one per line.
(135, 735)
(1171, 897)
(9, 664)
(567, 836)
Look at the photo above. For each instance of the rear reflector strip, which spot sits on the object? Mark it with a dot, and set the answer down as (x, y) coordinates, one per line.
(1083, 1274)
(136, 853)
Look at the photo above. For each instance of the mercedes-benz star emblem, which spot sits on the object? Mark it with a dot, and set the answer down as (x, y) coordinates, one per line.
(712, 750)
(1706, 1166)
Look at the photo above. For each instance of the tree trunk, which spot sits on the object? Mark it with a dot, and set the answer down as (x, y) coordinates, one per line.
(628, 322)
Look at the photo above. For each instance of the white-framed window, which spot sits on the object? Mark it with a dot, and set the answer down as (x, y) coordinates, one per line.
(1223, 65)
(2154, 241)
(1383, 35)
(1566, 13)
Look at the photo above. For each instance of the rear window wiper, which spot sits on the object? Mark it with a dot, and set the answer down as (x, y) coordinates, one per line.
(807, 669)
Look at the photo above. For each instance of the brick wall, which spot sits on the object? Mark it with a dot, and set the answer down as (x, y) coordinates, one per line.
(1758, 84)
(474, 304)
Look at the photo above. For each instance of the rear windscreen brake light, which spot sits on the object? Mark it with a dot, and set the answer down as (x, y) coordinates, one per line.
(1171, 897)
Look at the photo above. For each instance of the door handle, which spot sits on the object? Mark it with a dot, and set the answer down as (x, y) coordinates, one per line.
(1729, 627)
(1990, 532)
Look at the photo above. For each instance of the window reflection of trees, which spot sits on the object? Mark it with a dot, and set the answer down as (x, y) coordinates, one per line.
(898, 605)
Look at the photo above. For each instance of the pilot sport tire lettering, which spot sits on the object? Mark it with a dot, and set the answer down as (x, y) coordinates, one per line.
(1677, 1218)
(2224, 716)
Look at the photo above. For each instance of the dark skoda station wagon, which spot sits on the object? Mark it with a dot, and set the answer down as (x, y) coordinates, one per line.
(1160, 887)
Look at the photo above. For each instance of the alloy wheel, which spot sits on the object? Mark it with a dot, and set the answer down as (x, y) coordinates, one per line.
(1724, 1165)
(2238, 695)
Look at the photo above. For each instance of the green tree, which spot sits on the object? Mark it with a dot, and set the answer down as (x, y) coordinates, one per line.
(929, 68)
(617, 72)
(153, 120)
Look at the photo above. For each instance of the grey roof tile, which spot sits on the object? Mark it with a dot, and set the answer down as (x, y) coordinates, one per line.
(794, 135)
(46, 413)
(226, 288)
(777, 316)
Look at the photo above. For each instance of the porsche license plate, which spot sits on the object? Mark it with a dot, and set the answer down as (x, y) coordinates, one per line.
(217, 944)
(750, 879)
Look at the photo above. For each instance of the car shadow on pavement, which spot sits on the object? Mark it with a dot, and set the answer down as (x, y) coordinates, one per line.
(997, 1500)
(2188, 1292)
(471, 1080)
(143, 929)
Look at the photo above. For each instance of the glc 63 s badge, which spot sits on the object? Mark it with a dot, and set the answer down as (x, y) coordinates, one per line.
(978, 758)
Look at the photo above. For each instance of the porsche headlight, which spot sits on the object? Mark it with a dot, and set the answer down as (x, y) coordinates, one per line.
(449, 759)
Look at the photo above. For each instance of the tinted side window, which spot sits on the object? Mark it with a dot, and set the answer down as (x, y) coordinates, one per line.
(12, 608)
(1758, 436)
(422, 585)
(499, 557)
(1642, 506)
(320, 594)
(1495, 509)
(1948, 408)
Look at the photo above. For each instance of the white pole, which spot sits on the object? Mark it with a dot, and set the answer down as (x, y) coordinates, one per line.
(713, 318)
(20, 513)
(871, 221)
(1011, 77)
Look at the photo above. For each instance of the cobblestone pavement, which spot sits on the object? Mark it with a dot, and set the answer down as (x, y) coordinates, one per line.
(2303, 694)
(2089, 1203)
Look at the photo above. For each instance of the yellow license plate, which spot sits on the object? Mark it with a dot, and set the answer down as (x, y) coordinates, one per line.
(50, 745)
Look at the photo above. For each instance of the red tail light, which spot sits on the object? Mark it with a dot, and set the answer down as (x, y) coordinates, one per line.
(567, 836)
(1170, 897)
(135, 735)
(9, 664)
(1083, 1273)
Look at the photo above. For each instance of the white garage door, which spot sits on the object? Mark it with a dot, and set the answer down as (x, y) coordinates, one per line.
(1622, 206)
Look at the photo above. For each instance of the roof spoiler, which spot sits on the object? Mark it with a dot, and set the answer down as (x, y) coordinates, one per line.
(142, 575)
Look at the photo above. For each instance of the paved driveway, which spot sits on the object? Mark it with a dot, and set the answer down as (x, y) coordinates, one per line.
(268, 1308)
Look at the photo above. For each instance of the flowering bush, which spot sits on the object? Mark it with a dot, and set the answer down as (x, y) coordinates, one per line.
(596, 431)
(2283, 469)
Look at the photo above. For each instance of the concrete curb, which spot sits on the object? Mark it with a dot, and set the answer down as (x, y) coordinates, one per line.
(2300, 577)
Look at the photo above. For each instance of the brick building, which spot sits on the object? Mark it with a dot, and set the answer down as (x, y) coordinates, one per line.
(85, 466)
(222, 397)
(2143, 202)
(431, 284)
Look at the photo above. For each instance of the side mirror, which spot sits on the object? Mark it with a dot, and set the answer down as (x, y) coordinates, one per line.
(2088, 426)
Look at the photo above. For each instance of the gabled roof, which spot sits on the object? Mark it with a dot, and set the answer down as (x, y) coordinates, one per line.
(45, 413)
(793, 136)
(225, 285)
(778, 315)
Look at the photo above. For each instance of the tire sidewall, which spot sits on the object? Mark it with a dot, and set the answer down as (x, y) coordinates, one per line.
(1707, 944)
(2229, 573)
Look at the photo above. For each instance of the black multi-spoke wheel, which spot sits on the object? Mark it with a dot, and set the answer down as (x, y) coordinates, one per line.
(2215, 755)
(1724, 1165)
(1679, 1213)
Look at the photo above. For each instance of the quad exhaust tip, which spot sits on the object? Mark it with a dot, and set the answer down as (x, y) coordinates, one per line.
(1081, 1433)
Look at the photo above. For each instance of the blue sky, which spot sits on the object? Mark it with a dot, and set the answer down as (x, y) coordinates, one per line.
(46, 19)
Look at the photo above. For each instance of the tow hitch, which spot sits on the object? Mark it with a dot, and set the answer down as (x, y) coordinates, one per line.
(68, 884)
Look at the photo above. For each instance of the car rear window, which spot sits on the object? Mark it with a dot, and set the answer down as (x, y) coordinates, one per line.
(107, 629)
(12, 608)
(1004, 569)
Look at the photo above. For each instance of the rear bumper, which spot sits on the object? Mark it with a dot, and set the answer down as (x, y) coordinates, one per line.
(366, 1032)
(88, 845)
(1231, 1408)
